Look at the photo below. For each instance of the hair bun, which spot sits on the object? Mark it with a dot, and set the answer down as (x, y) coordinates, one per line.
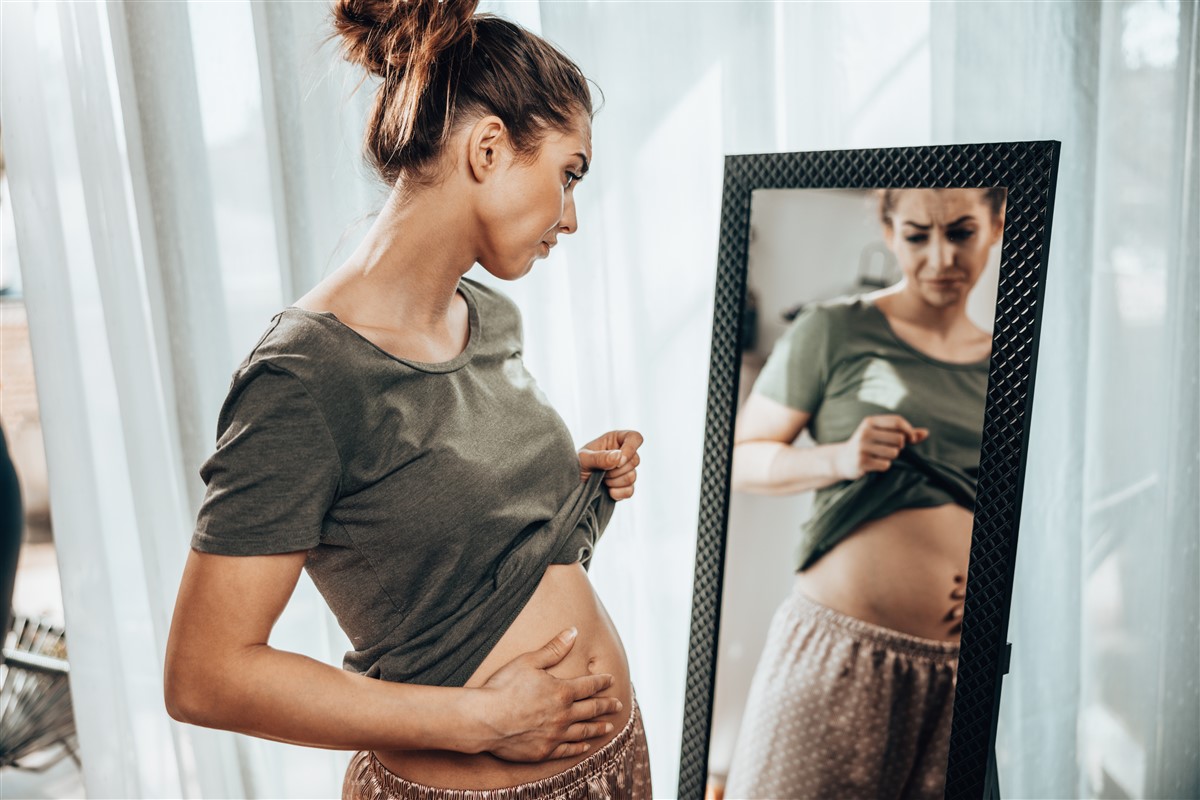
(386, 37)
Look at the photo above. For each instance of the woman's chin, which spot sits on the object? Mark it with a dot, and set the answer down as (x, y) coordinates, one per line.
(944, 298)
(509, 271)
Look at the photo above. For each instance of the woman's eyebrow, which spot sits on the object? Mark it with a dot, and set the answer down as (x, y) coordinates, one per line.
(959, 221)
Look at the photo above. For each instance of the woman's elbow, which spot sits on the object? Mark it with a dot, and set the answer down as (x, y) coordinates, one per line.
(739, 478)
(181, 704)
(186, 694)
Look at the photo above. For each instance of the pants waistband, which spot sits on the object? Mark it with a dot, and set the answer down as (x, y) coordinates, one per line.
(557, 785)
(892, 639)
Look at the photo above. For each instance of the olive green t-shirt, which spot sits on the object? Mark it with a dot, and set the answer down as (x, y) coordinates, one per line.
(430, 497)
(840, 361)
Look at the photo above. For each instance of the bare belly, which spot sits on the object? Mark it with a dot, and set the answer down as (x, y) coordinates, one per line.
(906, 571)
(564, 597)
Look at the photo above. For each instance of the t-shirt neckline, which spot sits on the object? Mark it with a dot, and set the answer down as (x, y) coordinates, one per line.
(967, 365)
(453, 364)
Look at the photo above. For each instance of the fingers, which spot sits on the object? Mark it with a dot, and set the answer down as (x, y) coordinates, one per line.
(895, 422)
(872, 464)
(618, 481)
(630, 442)
(885, 451)
(592, 708)
(584, 687)
(599, 459)
(621, 494)
(587, 730)
(555, 650)
(627, 467)
(885, 437)
(569, 750)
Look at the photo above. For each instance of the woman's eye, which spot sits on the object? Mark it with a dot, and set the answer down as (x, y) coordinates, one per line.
(960, 235)
(916, 238)
(572, 178)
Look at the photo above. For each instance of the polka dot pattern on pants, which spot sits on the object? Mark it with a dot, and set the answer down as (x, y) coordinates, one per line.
(841, 708)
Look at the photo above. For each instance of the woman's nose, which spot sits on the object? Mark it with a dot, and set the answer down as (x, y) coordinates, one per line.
(568, 223)
(942, 254)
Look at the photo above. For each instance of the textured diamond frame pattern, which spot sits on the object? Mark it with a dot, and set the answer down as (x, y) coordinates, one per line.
(1029, 171)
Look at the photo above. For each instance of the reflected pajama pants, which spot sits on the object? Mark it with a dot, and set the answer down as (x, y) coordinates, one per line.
(841, 708)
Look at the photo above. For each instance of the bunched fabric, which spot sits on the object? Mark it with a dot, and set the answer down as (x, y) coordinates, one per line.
(618, 771)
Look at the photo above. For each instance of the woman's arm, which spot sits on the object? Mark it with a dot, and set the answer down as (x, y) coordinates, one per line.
(221, 673)
(765, 462)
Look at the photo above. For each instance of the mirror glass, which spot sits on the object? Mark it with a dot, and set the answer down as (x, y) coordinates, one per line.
(866, 347)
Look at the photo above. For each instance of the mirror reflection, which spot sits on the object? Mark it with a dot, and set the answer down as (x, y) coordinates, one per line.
(865, 364)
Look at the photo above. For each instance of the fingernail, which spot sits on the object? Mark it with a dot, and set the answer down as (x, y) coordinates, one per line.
(620, 705)
(608, 727)
(570, 634)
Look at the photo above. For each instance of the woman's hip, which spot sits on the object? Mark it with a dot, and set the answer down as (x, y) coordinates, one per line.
(619, 770)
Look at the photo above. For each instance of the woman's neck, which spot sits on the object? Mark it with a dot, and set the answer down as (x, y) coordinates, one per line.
(906, 305)
(406, 269)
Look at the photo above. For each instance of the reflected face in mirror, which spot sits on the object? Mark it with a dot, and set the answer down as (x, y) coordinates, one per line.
(855, 465)
(942, 238)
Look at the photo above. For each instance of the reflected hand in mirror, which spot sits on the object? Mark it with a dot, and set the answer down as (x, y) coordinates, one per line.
(853, 692)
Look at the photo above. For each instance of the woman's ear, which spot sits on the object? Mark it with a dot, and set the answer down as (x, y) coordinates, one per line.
(485, 142)
(888, 234)
(997, 227)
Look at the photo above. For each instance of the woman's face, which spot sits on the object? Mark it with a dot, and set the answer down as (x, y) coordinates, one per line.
(942, 239)
(531, 203)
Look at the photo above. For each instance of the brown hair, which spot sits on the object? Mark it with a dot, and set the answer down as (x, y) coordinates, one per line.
(994, 197)
(441, 64)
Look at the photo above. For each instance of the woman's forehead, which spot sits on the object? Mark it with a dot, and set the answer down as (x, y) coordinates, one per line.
(938, 205)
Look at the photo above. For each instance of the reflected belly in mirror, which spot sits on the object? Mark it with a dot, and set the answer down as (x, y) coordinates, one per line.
(906, 572)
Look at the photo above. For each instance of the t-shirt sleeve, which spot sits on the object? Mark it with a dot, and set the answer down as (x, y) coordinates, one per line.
(275, 473)
(797, 371)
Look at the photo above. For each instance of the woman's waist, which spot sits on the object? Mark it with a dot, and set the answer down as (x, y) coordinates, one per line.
(564, 598)
(905, 571)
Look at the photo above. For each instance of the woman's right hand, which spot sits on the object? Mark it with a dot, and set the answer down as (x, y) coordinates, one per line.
(876, 443)
(538, 717)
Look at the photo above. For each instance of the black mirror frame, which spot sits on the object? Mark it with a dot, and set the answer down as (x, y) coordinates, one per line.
(1029, 171)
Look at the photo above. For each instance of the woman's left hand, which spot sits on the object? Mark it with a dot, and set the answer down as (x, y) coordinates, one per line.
(616, 453)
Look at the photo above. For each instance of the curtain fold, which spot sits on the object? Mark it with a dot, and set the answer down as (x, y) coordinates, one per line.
(152, 48)
(1102, 698)
(180, 171)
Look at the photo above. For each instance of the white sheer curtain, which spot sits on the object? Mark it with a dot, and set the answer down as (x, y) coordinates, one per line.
(181, 170)
(1104, 698)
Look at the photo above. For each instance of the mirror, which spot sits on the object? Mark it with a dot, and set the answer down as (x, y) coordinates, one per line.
(862, 364)
(856, 452)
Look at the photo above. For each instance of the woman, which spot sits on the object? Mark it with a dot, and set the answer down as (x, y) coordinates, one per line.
(385, 436)
(853, 694)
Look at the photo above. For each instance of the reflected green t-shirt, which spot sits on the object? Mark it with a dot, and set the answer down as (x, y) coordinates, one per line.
(841, 361)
